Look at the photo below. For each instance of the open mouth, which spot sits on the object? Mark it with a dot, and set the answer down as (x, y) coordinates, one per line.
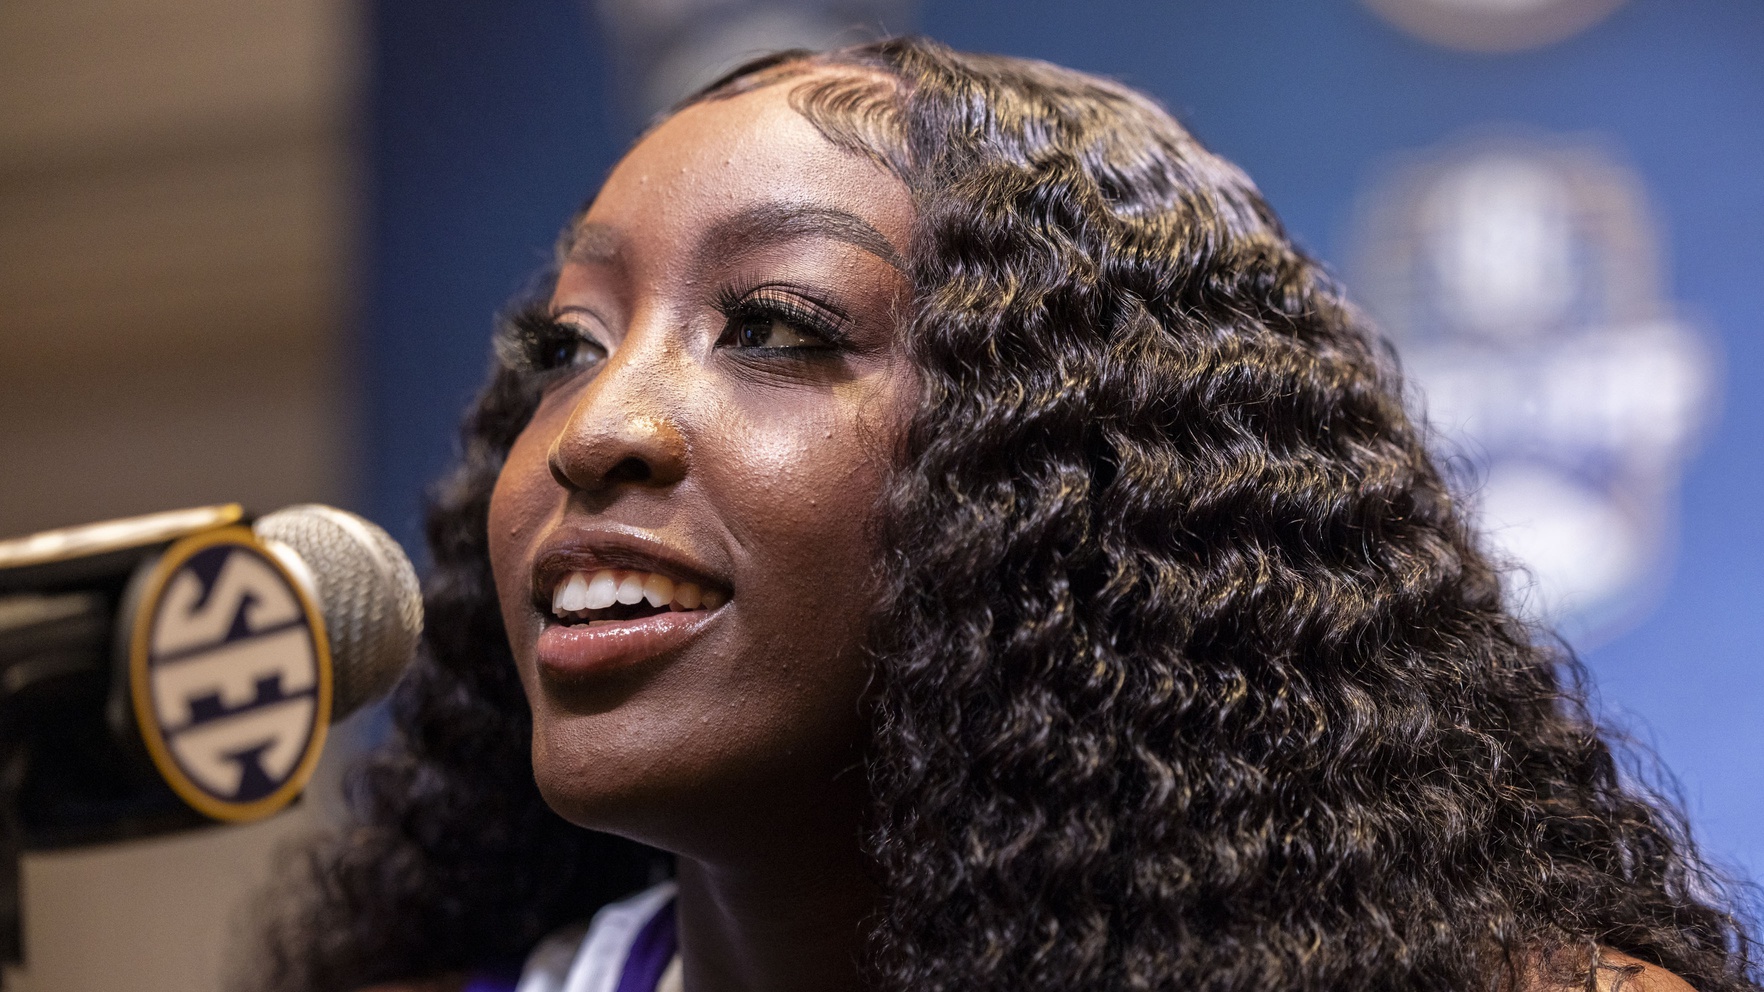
(608, 596)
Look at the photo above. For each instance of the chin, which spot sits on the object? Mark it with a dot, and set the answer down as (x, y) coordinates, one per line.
(691, 791)
(597, 775)
(590, 784)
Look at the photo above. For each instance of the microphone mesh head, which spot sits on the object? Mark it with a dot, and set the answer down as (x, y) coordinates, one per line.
(367, 589)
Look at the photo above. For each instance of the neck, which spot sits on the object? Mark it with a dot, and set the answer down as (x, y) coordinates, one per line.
(793, 924)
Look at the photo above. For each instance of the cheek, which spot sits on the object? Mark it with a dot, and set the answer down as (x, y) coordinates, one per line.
(806, 503)
(522, 500)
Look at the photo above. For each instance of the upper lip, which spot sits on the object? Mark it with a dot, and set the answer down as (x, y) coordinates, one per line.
(594, 548)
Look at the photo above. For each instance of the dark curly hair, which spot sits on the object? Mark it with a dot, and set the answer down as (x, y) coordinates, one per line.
(1188, 673)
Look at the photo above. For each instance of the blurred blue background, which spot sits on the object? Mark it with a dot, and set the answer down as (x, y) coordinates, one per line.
(489, 124)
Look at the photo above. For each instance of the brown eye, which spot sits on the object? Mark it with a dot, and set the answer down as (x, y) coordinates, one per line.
(535, 341)
(764, 331)
(569, 346)
(770, 319)
(559, 353)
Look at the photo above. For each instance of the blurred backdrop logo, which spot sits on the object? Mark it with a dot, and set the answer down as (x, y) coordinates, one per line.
(1519, 278)
(666, 49)
(1493, 25)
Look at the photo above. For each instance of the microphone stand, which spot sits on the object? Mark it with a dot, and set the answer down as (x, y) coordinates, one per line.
(69, 776)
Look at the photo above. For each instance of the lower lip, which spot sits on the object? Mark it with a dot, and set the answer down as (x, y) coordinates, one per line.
(577, 650)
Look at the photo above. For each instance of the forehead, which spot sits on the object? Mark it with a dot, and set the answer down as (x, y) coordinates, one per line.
(721, 158)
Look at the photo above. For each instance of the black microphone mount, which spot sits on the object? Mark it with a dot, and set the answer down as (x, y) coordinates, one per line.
(163, 672)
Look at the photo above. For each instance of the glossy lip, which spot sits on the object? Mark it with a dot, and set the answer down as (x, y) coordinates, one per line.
(577, 650)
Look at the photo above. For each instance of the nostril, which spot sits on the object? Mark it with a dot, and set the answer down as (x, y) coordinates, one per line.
(594, 451)
(629, 470)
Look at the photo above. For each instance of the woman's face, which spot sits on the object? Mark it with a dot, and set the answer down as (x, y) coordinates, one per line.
(682, 536)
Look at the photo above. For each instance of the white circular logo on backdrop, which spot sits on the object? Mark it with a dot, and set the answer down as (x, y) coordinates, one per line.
(1493, 25)
(230, 675)
(1519, 279)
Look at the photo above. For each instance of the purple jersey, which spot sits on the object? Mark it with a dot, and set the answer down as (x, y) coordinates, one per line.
(627, 948)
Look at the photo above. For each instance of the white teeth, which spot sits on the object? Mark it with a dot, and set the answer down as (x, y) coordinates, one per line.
(572, 595)
(580, 592)
(658, 589)
(603, 590)
(631, 589)
(686, 594)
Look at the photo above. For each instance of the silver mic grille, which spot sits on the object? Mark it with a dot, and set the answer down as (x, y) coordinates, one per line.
(367, 589)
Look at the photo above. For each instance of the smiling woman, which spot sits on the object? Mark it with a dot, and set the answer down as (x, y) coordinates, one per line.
(933, 514)
(721, 386)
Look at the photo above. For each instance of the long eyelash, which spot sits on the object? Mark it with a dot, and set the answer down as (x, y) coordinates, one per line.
(526, 339)
(818, 319)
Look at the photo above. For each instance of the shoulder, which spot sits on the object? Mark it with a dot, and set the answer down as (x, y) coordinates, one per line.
(590, 952)
(1616, 972)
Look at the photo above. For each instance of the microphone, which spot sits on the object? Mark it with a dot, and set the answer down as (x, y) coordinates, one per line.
(372, 603)
(163, 671)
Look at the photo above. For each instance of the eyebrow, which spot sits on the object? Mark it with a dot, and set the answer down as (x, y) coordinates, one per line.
(776, 223)
(594, 244)
(760, 226)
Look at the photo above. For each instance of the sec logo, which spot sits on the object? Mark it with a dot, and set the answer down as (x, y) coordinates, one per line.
(230, 674)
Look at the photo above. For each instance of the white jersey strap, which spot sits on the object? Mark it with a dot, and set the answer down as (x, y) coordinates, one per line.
(592, 959)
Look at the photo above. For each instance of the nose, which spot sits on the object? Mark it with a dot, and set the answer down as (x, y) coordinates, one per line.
(623, 430)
